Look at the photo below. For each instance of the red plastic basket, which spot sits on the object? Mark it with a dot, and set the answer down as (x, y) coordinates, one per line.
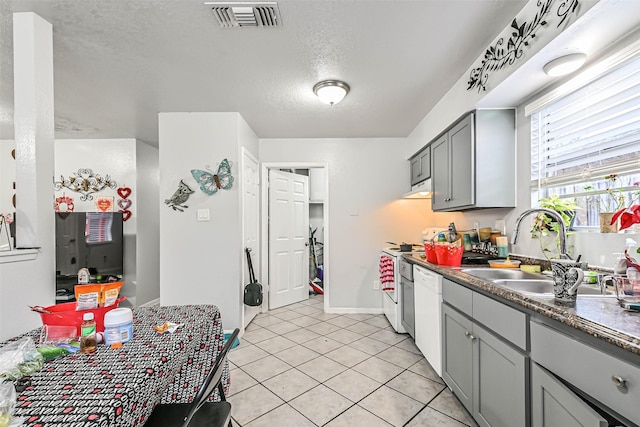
(449, 255)
(430, 252)
(66, 315)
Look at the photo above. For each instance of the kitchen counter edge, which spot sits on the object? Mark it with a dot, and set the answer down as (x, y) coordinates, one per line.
(609, 314)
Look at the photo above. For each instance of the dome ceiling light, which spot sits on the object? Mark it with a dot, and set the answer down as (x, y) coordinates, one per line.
(331, 91)
(565, 64)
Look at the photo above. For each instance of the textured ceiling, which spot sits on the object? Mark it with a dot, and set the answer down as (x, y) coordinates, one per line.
(118, 63)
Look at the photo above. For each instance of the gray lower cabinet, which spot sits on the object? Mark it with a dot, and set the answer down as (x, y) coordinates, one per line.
(457, 362)
(609, 380)
(499, 389)
(553, 404)
(487, 375)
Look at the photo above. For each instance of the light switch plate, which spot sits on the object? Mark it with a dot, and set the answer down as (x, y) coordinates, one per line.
(203, 215)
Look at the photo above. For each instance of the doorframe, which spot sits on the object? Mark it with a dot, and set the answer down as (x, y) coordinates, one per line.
(264, 180)
(243, 276)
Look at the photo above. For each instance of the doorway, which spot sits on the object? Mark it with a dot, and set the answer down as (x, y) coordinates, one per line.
(250, 189)
(318, 260)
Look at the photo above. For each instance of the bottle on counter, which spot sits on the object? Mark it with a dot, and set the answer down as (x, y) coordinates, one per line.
(88, 334)
(467, 242)
(503, 246)
(452, 235)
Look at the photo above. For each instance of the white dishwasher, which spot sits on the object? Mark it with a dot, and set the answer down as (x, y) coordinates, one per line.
(428, 303)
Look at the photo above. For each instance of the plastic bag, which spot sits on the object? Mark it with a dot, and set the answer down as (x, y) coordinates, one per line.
(19, 359)
(7, 402)
(87, 296)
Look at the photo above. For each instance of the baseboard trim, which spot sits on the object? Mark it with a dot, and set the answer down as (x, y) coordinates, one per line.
(152, 303)
(354, 310)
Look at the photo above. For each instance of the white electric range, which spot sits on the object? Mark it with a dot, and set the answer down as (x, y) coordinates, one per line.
(392, 296)
(391, 258)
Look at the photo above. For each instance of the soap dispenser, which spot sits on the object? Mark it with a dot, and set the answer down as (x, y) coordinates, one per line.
(620, 267)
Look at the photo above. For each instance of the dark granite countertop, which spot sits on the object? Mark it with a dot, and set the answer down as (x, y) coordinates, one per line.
(598, 316)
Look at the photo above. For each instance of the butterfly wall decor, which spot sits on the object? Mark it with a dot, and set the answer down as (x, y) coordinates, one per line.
(209, 182)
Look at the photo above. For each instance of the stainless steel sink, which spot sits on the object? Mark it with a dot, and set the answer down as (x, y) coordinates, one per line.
(501, 273)
(530, 286)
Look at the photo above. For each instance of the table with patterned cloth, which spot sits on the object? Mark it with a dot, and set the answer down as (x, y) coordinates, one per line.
(120, 387)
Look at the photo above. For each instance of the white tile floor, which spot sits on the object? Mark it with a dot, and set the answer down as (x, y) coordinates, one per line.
(298, 366)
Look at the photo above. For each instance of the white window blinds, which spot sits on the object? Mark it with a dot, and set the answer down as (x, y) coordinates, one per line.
(590, 133)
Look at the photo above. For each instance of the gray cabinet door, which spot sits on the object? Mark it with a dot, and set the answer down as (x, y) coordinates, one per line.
(408, 306)
(499, 382)
(416, 170)
(553, 404)
(457, 355)
(421, 166)
(462, 153)
(440, 175)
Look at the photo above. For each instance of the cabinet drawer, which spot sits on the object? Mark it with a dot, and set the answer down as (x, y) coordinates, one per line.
(588, 369)
(501, 319)
(457, 296)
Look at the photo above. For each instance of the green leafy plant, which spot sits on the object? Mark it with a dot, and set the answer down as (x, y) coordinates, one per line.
(544, 225)
(614, 199)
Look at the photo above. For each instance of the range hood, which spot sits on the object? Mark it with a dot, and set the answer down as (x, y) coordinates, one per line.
(421, 190)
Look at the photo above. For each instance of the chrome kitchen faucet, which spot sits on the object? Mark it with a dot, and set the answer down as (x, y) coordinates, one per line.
(562, 229)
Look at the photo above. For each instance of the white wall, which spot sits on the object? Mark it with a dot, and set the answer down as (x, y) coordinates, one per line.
(117, 159)
(366, 179)
(147, 273)
(7, 175)
(31, 282)
(200, 262)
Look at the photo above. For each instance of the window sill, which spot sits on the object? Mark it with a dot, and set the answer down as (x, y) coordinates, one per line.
(18, 255)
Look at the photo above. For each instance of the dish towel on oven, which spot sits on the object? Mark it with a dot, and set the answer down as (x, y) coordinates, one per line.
(387, 276)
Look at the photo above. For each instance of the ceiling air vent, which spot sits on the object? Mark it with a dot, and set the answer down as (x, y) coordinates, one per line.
(246, 14)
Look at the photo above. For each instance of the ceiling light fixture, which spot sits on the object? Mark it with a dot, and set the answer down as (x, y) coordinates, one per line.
(565, 64)
(331, 91)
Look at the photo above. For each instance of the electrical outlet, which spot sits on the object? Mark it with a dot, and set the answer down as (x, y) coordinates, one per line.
(376, 284)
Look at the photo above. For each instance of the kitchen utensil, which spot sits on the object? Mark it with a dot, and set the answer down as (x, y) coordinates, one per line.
(493, 236)
(484, 234)
(404, 247)
(567, 276)
(504, 263)
(627, 290)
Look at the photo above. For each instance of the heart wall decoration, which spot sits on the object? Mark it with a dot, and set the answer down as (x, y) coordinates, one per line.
(124, 203)
(124, 192)
(126, 214)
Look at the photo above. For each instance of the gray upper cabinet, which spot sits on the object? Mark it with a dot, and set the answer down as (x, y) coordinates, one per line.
(473, 163)
(421, 166)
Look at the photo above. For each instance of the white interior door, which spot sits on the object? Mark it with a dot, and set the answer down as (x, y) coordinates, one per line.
(250, 221)
(288, 238)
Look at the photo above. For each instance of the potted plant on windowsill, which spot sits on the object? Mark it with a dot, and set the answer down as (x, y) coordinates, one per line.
(612, 204)
(629, 214)
(544, 225)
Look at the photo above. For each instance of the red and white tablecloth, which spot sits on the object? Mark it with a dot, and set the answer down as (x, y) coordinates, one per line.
(121, 387)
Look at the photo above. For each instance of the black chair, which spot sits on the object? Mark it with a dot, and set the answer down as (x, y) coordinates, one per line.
(199, 413)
